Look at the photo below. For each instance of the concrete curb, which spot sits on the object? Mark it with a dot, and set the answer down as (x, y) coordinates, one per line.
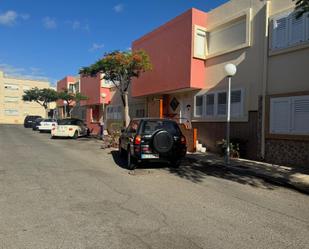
(296, 181)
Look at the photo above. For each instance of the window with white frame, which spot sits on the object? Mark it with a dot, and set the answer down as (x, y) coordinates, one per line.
(210, 104)
(11, 112)
(214, 104)
(200, 43)
(11, 87)
(199, 105)
(228, 36)
(287, 30)
(114, 112)
(289, 115)
(221, 109)
(11, 99)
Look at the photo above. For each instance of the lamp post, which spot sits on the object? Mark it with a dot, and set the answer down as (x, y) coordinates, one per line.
(230, 71)
(102, 123)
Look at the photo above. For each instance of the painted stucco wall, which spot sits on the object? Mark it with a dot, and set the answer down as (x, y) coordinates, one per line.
(288, 70)
(170, 51)
(23, 108)
(249, 60)
(91, 87)
(64, 85)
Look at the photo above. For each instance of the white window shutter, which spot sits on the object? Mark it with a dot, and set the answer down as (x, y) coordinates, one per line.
(296, 29)
(280, 115)
(200, 43)
(301, 115)
(236, 103)
(280, 32)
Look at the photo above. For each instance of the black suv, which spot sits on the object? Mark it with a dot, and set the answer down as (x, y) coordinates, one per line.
(151, 139)
(29, 120)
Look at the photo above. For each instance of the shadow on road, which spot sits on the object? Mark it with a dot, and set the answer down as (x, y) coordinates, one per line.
(198, 171)
(122, 162)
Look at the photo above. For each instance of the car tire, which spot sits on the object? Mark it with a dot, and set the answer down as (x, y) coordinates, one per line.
(52, 137)
(120, 150)
(75, 136)
(131, 164)
(175, 163)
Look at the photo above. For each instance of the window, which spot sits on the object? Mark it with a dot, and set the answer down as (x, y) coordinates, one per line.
(140, 113)
(198, 105)
(228, 36)
(236, 103)
(289, 31)
(221, 103)
(200, 43)
(210, 104)
(11, 87)
(114, 112)
(289, 115)
(215, 104)
(11, 112)
(11, 99)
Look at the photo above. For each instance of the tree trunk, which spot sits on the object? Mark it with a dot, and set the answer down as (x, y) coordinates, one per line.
(126, 109)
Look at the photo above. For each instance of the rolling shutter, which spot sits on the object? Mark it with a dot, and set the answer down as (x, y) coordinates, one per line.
(236, 103)
(280, 115)
(200, 43)
(280, 32)
(296, 29)
(301, 114)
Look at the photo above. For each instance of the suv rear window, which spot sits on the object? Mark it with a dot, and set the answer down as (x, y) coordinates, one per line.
(150, 126)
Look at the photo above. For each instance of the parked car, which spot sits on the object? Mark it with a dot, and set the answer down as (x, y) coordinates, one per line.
(47, 124)
(70, 127)
(36, 123)
(151, 139)
(29, 120)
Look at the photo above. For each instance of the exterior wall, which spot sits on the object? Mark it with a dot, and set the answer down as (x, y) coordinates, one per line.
(287, 76)
(172, 66)
(209, 133)
(23, 108)
(249, 61)
(64, 85)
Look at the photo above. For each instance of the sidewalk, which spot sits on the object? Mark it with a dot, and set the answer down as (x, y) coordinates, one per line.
(297, 178)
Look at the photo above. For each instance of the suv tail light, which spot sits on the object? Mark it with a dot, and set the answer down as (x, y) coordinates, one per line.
(70, 129)
(137, 140)
(183, 140)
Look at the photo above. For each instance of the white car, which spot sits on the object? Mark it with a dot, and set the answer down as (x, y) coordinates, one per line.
(47, 124)
(70, 127)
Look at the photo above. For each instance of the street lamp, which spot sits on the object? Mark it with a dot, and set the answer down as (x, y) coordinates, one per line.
(102, 123)
(230, 71)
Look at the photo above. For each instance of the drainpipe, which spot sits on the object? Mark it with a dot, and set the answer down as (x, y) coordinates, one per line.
(265, 77)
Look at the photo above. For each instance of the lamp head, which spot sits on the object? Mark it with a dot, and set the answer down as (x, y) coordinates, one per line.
(230, 70)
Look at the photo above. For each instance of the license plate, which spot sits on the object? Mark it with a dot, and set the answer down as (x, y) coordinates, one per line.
(149, 156)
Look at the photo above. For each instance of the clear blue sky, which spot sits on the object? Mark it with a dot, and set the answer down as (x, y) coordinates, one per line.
(55, 38)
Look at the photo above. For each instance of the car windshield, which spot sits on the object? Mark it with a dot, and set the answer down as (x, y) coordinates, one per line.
(48, 120)
(68, 122)
(150, 126)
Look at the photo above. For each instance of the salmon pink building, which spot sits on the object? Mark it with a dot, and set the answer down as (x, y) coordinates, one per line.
(270, 91)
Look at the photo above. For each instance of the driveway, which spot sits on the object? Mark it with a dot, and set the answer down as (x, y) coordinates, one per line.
(71, 194)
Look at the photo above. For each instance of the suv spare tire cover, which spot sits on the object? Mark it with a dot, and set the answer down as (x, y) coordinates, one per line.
(163, 141)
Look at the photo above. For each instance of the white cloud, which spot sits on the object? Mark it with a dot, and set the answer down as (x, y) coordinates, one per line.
(78, 25)
(8, 18)
(49, 23)
(25, 73)
(96, 46)
(118, 8)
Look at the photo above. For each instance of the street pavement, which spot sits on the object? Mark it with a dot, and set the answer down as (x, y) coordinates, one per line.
(71, 194)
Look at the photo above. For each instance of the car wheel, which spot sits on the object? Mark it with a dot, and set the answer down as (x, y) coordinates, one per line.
(175, 163)
(120, 150)
(130, 161)
(52, 137)
(75, 136)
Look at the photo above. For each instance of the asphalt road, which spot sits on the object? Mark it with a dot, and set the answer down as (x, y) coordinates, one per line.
(72, 194)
